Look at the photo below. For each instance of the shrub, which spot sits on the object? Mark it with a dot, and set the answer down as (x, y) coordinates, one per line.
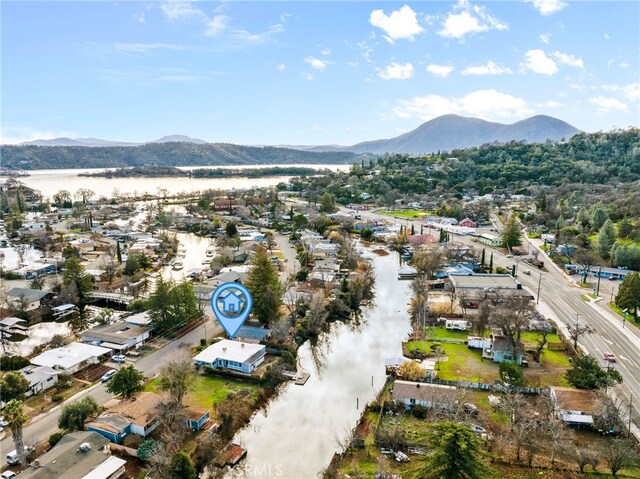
(57, 398)
(55, 438)
(13, 363)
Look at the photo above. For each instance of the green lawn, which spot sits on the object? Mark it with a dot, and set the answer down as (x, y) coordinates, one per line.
(208, 390)
(440, 332)
(408, 214)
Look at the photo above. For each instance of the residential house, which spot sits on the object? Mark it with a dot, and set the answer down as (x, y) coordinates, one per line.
(40, 378)
(72, 357)
(78, 455)
(468, 223)
(575, 407)
(502, 350)
(471, 290)
(120, 336)
(489, 239)
(139, 319)
(25, 299)
(429, 395)
(138, 416)
(11, 325)
(195, 418)
(235, 355)
(324, 250)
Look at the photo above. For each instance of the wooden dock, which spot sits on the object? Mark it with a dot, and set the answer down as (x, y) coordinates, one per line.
(302, 378)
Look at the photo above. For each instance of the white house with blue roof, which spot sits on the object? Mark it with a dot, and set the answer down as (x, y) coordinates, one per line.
(233, 355)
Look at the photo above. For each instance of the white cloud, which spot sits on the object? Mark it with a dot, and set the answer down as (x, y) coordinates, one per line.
(309, 76)
(245, 37)
(490, 68)
(400, 24)
(325, 52)
(547, 7)
(467, 18)
(139, 17)
(630, 91)
(317, 63)
(146, 47)
(552, 104)
(216, 25)
(441, 71)
(607, 104)
(366, 51)
(486, 104)
(177, 9)
(567, 59)
(538, 62)
(281, 66)
(606, 36)
(396, 71)
(545, 37)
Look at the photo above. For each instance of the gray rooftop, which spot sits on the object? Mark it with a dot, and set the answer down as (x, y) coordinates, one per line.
(66, 461)
(27, 294)
(117, 333)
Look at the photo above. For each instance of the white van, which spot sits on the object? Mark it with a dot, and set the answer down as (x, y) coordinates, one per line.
(12, 458)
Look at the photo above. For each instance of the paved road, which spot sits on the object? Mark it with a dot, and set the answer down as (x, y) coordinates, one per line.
(561, 298)
(43, 426)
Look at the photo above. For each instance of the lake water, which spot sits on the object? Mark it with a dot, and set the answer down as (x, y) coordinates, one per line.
(295, 436)
(49, 182)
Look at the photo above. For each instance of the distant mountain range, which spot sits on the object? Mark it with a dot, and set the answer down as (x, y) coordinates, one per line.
(96, 142)
(450, 132)
(445, 133)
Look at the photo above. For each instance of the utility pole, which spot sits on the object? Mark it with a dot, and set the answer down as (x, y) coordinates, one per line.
(575, 337)
(539, 284)
(598, 287)
(630, 412)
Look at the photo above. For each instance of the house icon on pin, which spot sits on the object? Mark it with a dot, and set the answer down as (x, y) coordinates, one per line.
(231, 303)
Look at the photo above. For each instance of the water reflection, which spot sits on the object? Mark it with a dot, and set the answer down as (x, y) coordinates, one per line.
(300, 430)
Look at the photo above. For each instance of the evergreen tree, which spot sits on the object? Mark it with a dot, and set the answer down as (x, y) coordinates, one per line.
(583, 219)
(511, 234)
(587, 374)
(127, 382)
(265, 287)
(413, 229)
(75, 274)
(482, 259)
(182, 467)
(231, 229)
(74, 414)
(491, 263)
(598, 216)
(118, 252)
(13, 386)
(628, 296)
(606, 238)
(456, 453)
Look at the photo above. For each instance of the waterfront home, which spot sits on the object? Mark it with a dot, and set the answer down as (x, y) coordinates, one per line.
(25, 299)
(78, 455)
(139, 319)
(120, 336)
(234, 355)
(429, 395)
(195, 418)
(72, 357)
(575, 407)
(40, 378)
(13, 325)
(502, 350)
(138, 416)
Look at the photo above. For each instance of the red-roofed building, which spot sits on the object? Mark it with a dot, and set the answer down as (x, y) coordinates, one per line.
(422, 239)
(468, 223)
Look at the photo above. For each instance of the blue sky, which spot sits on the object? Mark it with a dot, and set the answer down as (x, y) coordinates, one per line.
(311, 72)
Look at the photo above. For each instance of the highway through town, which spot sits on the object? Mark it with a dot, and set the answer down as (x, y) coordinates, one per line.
(560, 299)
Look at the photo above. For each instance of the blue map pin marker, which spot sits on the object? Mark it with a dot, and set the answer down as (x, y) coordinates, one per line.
(231, 304)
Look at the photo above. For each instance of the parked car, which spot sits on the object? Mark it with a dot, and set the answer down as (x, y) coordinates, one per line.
(12, 457)
(118, 359)
(470, 409)
(509, 256)
(401, 457)
(8, 475)
(108, 375)
(3, 423)
(526, 271)
(386, 451)
(609, 357)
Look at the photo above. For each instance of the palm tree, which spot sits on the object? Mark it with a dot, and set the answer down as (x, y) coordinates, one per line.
(15, 416)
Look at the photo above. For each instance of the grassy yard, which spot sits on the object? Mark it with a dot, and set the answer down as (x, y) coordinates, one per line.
(208, 390)
(408, 214)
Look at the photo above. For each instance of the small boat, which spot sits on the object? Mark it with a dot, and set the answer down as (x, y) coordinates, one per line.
(210, 252)
(177, 266)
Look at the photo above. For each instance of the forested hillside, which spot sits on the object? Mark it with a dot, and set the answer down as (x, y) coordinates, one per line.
(30, 157)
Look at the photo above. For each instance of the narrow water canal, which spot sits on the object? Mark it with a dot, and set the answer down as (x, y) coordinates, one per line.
(296, 436)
